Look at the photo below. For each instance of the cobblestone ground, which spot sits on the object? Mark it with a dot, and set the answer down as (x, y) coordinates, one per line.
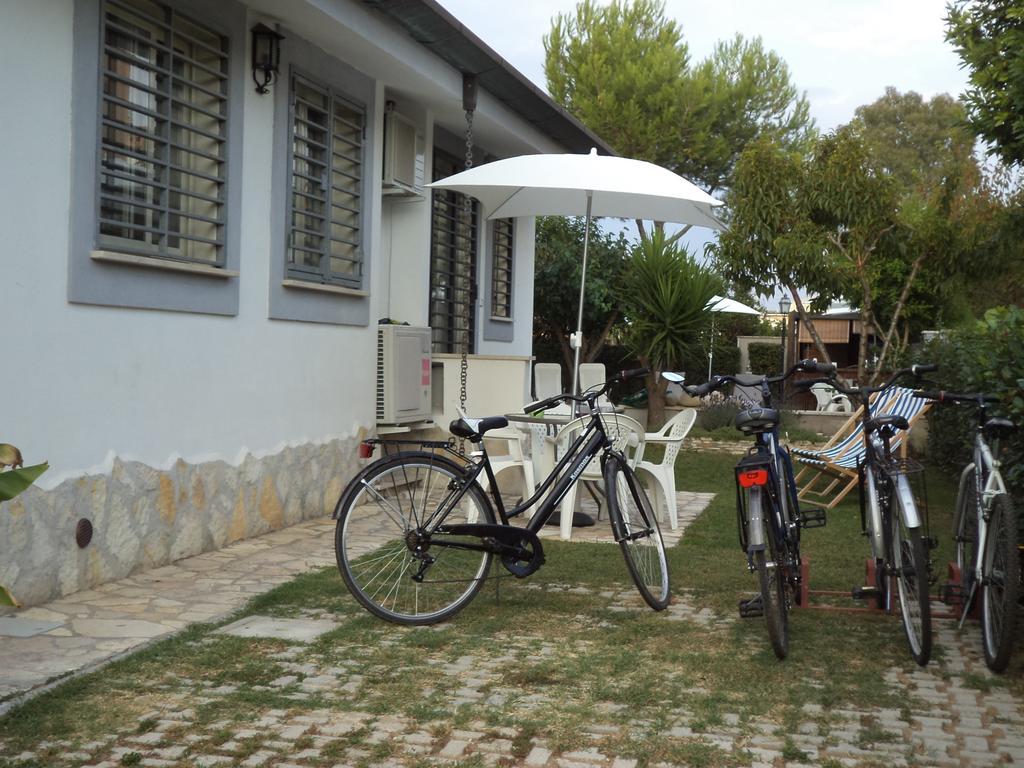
(954, 716)
(944, 723)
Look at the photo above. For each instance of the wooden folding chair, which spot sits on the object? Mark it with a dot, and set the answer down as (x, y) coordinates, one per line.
(829, 474)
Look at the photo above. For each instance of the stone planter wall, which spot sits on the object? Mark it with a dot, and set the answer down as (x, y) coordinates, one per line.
(144, 517)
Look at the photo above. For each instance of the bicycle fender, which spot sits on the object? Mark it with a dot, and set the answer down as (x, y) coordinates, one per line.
(908, 507)
(755, 516)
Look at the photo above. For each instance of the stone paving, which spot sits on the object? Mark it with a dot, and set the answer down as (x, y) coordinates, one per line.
(96, 625)
(945, 722)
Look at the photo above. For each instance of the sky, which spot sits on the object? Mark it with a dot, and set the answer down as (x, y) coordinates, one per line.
(841, 53)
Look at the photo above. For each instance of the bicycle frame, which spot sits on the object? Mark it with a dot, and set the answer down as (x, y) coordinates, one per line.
(592, 441)
(984, 492)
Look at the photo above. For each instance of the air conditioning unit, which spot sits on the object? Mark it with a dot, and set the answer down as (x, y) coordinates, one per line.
(403, 374)
(404, 156)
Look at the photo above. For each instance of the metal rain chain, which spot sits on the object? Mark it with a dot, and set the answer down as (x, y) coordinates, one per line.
(469, 105)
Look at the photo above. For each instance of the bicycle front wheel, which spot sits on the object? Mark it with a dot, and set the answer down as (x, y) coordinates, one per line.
(965, 534)
(635, 527)
(1001, 584)
(910, 562)
(395, 570)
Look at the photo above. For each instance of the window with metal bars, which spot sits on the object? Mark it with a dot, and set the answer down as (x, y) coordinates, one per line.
(325, 233)
(501, 269)
(163, 133)
(453, 247)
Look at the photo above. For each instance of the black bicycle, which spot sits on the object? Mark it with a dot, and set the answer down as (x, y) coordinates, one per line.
(893, 516)
(769, 518)
(416, 533)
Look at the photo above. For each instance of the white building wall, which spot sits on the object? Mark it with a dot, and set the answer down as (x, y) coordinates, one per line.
(174, 432)
(142, 384)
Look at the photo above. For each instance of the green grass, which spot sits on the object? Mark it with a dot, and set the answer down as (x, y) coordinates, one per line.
(534, 637)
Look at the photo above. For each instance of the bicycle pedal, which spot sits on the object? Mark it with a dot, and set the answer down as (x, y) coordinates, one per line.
(751, 607)
(932, 542)
(813, 518)
(865, 593)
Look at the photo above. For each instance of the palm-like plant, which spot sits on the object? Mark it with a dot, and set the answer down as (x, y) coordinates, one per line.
(14, 478)
(665, 301)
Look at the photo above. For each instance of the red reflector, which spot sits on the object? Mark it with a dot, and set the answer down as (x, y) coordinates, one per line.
(365, 450)
(753, 477)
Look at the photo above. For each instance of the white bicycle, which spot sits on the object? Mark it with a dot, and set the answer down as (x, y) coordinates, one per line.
(985, 532)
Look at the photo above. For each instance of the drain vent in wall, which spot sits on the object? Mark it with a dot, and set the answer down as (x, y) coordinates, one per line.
(83, 533)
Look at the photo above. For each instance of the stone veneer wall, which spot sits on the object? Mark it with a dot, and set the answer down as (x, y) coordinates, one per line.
(144, 517)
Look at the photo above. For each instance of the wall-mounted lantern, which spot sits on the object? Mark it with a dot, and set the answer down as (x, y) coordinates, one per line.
(266, 56)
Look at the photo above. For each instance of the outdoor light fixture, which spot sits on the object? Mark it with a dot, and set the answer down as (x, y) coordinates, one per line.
(266, 56)
(784, 305)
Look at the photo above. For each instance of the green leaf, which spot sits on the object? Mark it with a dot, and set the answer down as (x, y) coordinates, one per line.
(14, 481)
(6, 598)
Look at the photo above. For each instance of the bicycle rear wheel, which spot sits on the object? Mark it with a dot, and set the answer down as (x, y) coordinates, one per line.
(770, 564)
(910, 562)
(390, 566)
(1001, 585)
(636, 529)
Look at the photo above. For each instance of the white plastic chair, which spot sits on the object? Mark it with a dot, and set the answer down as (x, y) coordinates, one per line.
(515, 458)
(828, 399)
(627, 435)
(547, 380)
(663, 473)
(593, 375)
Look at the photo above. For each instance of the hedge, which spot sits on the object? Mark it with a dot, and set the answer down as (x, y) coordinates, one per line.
(985, 357)
(765, 358)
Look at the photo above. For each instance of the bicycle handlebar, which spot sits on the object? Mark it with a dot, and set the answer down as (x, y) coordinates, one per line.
(863, 393)
(588, 396)
(975, 398)
(802, 366)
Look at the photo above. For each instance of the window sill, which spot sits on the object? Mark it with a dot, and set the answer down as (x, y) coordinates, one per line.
(135, 260)
(338, 290)
(502, 319)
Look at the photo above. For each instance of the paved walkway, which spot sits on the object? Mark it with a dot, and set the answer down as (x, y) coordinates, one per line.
(949, 720)
(88, 628)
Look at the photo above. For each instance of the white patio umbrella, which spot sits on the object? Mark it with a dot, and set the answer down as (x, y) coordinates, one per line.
(583, 185)
(724, 304)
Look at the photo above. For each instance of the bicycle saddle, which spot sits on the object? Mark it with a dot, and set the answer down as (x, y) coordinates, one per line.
(755, 420)
(474, 429)
(889, 420)
(995, 428)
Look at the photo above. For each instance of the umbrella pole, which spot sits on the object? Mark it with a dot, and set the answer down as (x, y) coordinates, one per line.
(711, 347)
(577, 341)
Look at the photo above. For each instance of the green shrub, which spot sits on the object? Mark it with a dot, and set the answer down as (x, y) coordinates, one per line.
(985, 357)
(765, 358)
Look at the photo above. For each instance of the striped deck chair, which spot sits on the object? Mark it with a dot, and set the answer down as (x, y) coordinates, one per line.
(829, 474)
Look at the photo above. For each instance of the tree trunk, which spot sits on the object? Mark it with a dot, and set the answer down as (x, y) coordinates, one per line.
(656, 389)
(865, 323)
(593, 350)
(891, 333)
(806, 320)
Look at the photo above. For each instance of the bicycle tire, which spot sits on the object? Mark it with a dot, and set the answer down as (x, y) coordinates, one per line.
(635, 527)
(910, 564)
(965, 535)
(1001, 585)
(772, 584)
(373, 542)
